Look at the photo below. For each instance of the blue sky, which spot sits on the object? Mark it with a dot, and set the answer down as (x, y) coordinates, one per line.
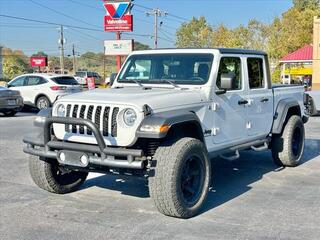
(31, 37)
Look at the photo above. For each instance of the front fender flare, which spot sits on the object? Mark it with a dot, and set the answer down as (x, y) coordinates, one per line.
(169, 118)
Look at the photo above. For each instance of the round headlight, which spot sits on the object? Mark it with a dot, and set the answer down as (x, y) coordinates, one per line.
(61, 110)
(129, 117)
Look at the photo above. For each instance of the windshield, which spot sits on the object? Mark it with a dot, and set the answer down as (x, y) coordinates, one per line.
(65, 81)
(159, 68)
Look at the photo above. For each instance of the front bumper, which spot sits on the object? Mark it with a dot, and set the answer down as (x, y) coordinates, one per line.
(44, 146)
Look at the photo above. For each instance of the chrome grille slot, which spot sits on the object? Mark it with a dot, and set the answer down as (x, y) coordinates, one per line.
(105, 126)
(89, 117)
(114, 124)
(82, 111)
(74, 115)
(67, 126)
(97, 117)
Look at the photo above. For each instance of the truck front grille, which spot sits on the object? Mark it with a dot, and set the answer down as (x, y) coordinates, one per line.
(100, 115)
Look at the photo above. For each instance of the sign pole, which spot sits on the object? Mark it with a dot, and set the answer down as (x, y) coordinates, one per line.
(118, 37)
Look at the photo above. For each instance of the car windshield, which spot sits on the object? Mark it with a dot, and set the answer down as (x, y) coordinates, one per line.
(166, 68)
(65, 80)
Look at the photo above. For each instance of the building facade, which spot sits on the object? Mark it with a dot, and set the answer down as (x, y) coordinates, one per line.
(316, 54)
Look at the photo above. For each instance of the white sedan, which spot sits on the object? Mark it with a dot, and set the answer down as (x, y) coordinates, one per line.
(42, 90)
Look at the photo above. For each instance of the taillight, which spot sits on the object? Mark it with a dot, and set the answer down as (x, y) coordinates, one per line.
(57, 88)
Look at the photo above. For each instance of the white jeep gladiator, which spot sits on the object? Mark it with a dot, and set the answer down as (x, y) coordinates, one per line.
(167, 114)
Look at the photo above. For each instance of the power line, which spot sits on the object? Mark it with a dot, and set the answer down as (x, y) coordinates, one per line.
(85, 34)
(50, 23)
(182, 19)
(67, 25)
(62, 14)
(166, 36)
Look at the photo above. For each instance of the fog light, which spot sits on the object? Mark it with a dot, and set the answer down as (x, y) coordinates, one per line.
(84, 160)
(62, 157)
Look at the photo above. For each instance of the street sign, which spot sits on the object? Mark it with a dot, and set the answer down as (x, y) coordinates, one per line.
(118, 17)
(118, 47)
(38, 61)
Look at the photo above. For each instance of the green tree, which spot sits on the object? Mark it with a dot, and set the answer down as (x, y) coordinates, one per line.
(14, 63)
(141, 46)
(306, 4)
(221, 36)
(14, 66)
(40, 53)
(53, 63)
(196, 33)
(293, 30)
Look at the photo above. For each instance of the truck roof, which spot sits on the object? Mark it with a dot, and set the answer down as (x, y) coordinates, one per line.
(221, 50)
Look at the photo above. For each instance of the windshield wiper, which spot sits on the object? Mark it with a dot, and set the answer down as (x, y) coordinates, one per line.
(137, 82)
(172, 83)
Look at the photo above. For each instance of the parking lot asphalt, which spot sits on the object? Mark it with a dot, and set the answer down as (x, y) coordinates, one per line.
(250, 199)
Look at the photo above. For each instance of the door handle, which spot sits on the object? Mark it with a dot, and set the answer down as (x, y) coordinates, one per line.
(243, 102)
(264, 100)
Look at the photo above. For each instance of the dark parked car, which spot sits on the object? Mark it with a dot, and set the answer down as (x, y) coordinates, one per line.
(11, 101)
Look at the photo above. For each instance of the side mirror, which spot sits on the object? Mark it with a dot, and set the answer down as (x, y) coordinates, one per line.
(227, 81)
(113, 78)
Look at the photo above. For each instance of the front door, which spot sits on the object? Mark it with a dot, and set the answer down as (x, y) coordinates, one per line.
(19, 85)
(229, 108)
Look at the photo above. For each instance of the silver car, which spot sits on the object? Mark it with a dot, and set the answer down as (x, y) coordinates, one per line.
(11, 101)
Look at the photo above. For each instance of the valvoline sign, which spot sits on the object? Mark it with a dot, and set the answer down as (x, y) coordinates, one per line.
(118, 17)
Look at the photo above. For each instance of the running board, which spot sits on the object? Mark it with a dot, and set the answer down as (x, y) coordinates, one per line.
(231, 158)
(260, 148)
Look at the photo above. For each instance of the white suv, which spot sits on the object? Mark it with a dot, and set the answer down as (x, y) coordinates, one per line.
(42, 90)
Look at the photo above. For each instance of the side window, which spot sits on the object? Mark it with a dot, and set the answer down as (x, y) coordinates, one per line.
(19, 82)
(34, 80)
(255, 72)
(230, 65)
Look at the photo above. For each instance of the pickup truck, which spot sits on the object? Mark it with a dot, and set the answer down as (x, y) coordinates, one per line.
(167, 114)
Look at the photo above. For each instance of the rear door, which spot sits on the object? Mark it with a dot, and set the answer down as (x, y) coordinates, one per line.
(260, 97)
(33, 87)
(229, 111)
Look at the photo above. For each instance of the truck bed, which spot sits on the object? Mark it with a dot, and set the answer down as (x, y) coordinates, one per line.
(281, 92)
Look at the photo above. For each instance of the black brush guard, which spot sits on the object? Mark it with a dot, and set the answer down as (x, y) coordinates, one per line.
(99, 154)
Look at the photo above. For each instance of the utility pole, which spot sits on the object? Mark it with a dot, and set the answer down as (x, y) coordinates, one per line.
(157, 13)
(74, 59)
(61, 42)
(118, 37)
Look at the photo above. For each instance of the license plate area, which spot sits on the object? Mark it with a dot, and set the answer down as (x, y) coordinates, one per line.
(11, 102)
(73, 158)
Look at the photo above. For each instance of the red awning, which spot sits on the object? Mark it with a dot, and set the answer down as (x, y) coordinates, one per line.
(301, 55)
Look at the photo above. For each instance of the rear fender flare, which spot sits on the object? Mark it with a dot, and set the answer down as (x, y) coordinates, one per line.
(282, 112)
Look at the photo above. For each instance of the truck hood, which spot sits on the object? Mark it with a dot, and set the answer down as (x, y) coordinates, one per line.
(156, 98)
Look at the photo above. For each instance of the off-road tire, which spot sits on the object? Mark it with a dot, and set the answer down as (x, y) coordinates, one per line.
(166, 183)
(44, 174)
(10, 113)
(287, 148)
(43, 102)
